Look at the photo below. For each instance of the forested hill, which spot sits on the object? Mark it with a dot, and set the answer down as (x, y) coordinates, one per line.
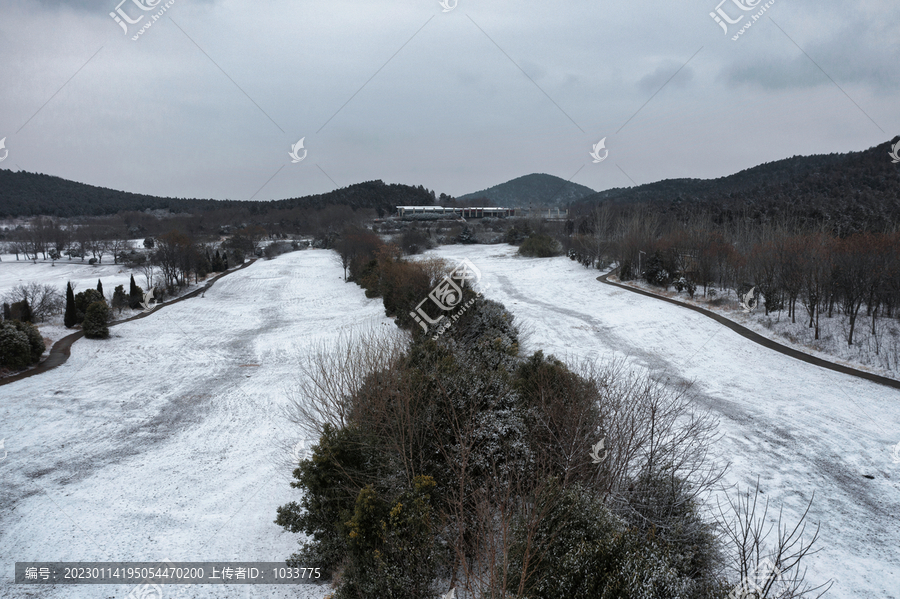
(32, 194)
(537, 189)
(853, 191)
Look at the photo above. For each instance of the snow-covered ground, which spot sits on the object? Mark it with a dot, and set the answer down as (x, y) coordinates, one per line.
(166, 441)
(878, 353)
(81, 274)
(799, 428)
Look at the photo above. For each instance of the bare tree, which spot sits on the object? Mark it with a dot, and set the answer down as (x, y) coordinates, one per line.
(44, 300)
(774, 570)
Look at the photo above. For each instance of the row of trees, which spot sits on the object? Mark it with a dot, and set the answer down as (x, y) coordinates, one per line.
(462, 461)
(46, 239)
(807, 272)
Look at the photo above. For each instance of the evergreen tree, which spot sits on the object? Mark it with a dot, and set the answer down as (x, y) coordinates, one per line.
(119, 299)
(95, 319)
(83, 299)
(71, 317)
(21, 311)
(135, 295)
(99, 286)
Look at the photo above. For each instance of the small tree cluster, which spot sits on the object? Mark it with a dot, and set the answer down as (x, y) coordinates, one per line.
(21, 344)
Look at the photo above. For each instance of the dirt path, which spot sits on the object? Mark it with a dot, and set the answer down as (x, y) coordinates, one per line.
(764, 341)
(61, 350)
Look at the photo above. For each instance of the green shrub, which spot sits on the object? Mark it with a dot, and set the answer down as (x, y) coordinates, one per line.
(119, 299)
(15, 348)
(515, 235)
(578, 549)
(35, 340)
(392, 548)
(95, 321)
(21, 311)
(540, 246)
(329, 479)
(83, 299)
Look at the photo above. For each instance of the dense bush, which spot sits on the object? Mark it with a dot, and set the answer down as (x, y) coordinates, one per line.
(392, 549)
(95, 322)
(540, 246)
(83, 299)
(276, 249)
(21, 311)
(15, 351)
(661, 269)
(415, 241)
(21, 344)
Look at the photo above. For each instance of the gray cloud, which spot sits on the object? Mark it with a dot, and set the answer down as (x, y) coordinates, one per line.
(209, 99)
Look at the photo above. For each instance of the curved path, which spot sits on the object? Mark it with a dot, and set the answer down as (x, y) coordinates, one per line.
(61, 350)
(757, 338)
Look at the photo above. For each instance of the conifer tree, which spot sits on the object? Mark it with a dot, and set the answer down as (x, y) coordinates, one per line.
(71, 317)
(135, 295)
(99, 287)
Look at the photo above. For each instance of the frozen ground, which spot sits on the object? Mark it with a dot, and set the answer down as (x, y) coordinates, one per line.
(878, 353)
(166, 440)
(799, 428)
(83, 275)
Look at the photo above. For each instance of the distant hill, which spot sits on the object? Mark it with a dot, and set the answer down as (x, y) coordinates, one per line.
(534, 189)
(852, 191)
(32, 194)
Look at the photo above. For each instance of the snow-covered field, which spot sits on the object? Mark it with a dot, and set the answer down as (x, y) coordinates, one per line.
(166, 441)
(878, 353)
(799, 428)
(81, 274)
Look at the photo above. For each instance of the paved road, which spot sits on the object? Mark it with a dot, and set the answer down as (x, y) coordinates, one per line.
(764, 341)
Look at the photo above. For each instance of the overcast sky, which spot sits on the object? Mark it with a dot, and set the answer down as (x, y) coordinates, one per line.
(209, 100)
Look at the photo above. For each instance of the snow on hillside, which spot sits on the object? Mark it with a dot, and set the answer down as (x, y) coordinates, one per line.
(799, 428)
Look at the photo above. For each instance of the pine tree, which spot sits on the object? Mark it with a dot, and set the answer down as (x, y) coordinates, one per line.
(71, 317)
(99, 287)
(135, 295)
